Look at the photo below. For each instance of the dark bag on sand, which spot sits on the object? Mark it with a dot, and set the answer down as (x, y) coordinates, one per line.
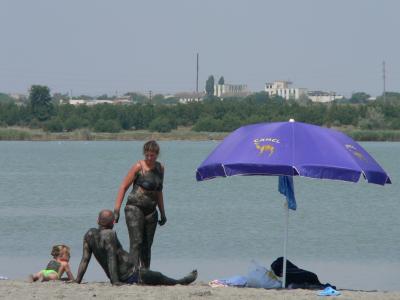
(296, 277)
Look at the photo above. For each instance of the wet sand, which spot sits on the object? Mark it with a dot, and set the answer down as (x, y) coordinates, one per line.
(18, 290)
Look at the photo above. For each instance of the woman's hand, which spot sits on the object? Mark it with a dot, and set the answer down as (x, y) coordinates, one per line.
(116, 215)
(163, 220)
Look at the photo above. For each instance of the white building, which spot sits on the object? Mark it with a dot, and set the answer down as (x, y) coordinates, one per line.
(319, 96)
(17, 96)
(97, 101)
(282, 88)
(76, 102)
(189, 97)
(229, 90)
(124, 100)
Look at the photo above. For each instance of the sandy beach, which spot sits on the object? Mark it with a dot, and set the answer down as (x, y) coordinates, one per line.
(18, 290)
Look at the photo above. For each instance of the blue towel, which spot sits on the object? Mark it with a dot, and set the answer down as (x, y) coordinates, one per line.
(234, 281)
(286, 188)
(329, 291)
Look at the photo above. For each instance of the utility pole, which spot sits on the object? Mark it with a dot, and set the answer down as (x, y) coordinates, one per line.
(197, 74)
(150, 96)
(384, 81)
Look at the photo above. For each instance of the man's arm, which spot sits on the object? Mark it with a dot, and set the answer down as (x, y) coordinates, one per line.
(86, 255)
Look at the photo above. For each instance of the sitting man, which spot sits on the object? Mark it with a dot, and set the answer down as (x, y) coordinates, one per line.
(105, 246)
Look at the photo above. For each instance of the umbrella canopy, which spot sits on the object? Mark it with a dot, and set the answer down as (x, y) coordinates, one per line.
(291, 148)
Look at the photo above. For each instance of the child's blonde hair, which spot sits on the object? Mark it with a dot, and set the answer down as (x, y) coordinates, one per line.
(57, 249)
(67, 249)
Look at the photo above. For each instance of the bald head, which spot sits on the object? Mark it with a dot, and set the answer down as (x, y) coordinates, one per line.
(106, 218)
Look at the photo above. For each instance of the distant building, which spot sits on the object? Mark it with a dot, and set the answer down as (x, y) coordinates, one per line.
(189, 97)
(282, 88)
(99, 101)
(17, 96)
(75, 102)
(124, 100)
(320, 96)
(18, 99)
(121, 100)
(231, 90)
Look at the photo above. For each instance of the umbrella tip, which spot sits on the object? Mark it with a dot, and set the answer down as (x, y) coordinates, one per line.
(291, 120)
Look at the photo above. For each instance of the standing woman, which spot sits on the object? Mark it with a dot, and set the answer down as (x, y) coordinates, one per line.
(146, 177)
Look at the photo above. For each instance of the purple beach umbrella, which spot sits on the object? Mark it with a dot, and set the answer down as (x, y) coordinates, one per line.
(291, 149)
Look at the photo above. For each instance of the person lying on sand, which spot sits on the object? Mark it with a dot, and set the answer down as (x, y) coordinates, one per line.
(114, 260)
(56, 267)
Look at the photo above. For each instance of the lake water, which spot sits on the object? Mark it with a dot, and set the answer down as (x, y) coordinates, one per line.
(51, 192)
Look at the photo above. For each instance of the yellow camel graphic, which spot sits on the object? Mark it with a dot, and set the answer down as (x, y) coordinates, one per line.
(356, 153)
(265, 148)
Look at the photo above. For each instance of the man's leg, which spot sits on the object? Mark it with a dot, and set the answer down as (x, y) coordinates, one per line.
(156, 278)
(135, 222)
(150, 226)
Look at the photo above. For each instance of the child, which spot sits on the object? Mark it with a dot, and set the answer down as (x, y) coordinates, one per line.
(56, 267)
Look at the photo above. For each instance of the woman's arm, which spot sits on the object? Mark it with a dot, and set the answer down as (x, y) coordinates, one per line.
(160, 202)
(126, 183)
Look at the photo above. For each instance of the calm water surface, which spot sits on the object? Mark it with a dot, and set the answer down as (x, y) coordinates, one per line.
(51, 192)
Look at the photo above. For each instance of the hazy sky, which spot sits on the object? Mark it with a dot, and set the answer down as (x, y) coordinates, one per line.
(98, 46)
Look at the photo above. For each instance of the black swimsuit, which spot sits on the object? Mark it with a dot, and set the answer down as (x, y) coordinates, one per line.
(150, 182)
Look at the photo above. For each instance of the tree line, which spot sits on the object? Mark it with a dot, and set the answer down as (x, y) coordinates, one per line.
(210, 115)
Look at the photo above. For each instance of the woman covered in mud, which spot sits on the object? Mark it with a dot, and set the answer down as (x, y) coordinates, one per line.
(146, 178)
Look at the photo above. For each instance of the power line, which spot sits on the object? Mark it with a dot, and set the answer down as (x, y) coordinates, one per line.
(197, 74)
(384, 80)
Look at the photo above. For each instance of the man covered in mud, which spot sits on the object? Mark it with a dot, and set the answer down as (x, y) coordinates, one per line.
(103, 243)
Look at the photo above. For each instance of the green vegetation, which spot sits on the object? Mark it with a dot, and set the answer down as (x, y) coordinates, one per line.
(4, 98)
(210, 86)
(40, 102)
(15, 134)
(362, 119)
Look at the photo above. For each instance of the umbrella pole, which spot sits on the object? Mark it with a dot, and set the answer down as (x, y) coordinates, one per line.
(286, 209)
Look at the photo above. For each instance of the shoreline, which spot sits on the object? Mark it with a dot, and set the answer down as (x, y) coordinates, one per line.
(27, 134)
(180, 134)
(18, 290)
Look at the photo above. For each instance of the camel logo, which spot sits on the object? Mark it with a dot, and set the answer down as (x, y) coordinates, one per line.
(266, 147)
(354, 151)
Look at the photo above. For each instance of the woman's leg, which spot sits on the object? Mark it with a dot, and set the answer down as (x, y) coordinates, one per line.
(135, 222)
(150, 226)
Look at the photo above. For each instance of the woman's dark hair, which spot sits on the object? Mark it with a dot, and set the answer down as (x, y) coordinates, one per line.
(151, 146)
